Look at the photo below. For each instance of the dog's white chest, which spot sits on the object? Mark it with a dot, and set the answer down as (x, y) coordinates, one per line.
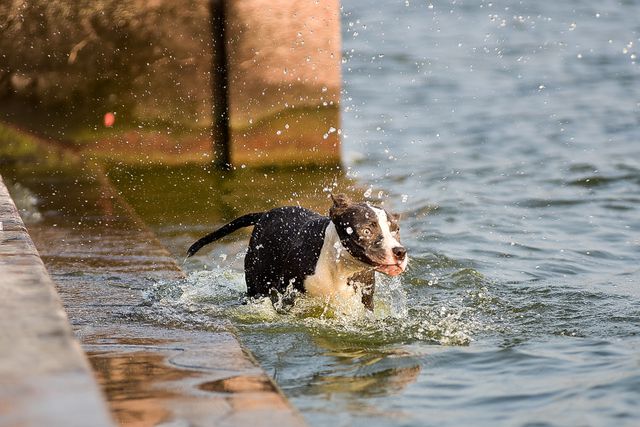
(324, 284)
(335, 266)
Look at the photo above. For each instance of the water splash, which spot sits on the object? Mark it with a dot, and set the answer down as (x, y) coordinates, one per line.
(205, 299)
(26, 202)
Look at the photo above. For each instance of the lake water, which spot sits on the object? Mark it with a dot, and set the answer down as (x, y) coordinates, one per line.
(508, 135)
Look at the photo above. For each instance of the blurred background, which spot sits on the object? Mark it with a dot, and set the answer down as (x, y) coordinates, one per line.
(507, 133)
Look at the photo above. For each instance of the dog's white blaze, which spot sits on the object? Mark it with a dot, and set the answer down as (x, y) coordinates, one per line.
(388, 240)
(335, 266)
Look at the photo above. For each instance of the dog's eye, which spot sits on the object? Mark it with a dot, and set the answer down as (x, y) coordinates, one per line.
(366, 232)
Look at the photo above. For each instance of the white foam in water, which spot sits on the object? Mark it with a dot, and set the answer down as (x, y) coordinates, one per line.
(202, 296)
(390, 298)
(207, 296)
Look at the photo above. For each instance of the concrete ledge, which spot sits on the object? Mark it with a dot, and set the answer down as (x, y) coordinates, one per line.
(44, 376)
(102, 257)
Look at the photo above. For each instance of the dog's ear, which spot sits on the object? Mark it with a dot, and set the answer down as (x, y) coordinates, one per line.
(340, 203)
(393, 217)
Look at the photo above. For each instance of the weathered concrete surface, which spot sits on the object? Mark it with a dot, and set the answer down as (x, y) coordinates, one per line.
(102, 258)
(149, 61)
(44, 375)
(284, 62)
(65, 64)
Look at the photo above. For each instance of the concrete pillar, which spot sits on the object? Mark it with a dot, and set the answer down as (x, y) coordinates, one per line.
(283, 65)
(263, 75)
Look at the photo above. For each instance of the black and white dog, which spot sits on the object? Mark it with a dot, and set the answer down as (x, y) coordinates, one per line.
(331, 257)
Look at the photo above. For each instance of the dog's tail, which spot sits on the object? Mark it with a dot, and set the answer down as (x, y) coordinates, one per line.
(244, 221)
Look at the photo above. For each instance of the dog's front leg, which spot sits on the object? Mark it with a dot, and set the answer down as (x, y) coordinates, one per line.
(364, 281)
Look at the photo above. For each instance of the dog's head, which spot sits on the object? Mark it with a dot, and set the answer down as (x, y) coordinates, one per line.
(370, 234)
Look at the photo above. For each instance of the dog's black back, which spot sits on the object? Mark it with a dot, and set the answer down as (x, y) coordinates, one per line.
(330, 257)
(284, 249)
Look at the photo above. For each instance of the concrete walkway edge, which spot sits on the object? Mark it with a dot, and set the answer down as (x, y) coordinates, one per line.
(45, 378)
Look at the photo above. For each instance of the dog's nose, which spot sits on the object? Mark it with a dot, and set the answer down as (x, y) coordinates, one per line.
(399, 252)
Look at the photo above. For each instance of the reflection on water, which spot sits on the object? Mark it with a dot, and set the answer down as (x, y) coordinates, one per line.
(364, 371)
(360, 345)
(136, 385)
(354, 341)
(238, 385)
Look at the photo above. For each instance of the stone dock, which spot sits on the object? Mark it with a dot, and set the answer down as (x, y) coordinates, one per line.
(39, 355)
(75, 349)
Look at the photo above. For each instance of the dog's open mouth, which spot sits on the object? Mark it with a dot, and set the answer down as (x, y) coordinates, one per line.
(390, 269)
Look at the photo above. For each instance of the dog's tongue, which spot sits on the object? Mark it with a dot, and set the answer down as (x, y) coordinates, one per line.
(390, 270)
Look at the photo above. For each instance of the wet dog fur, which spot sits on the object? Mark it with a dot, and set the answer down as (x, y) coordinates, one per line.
(332, 257)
